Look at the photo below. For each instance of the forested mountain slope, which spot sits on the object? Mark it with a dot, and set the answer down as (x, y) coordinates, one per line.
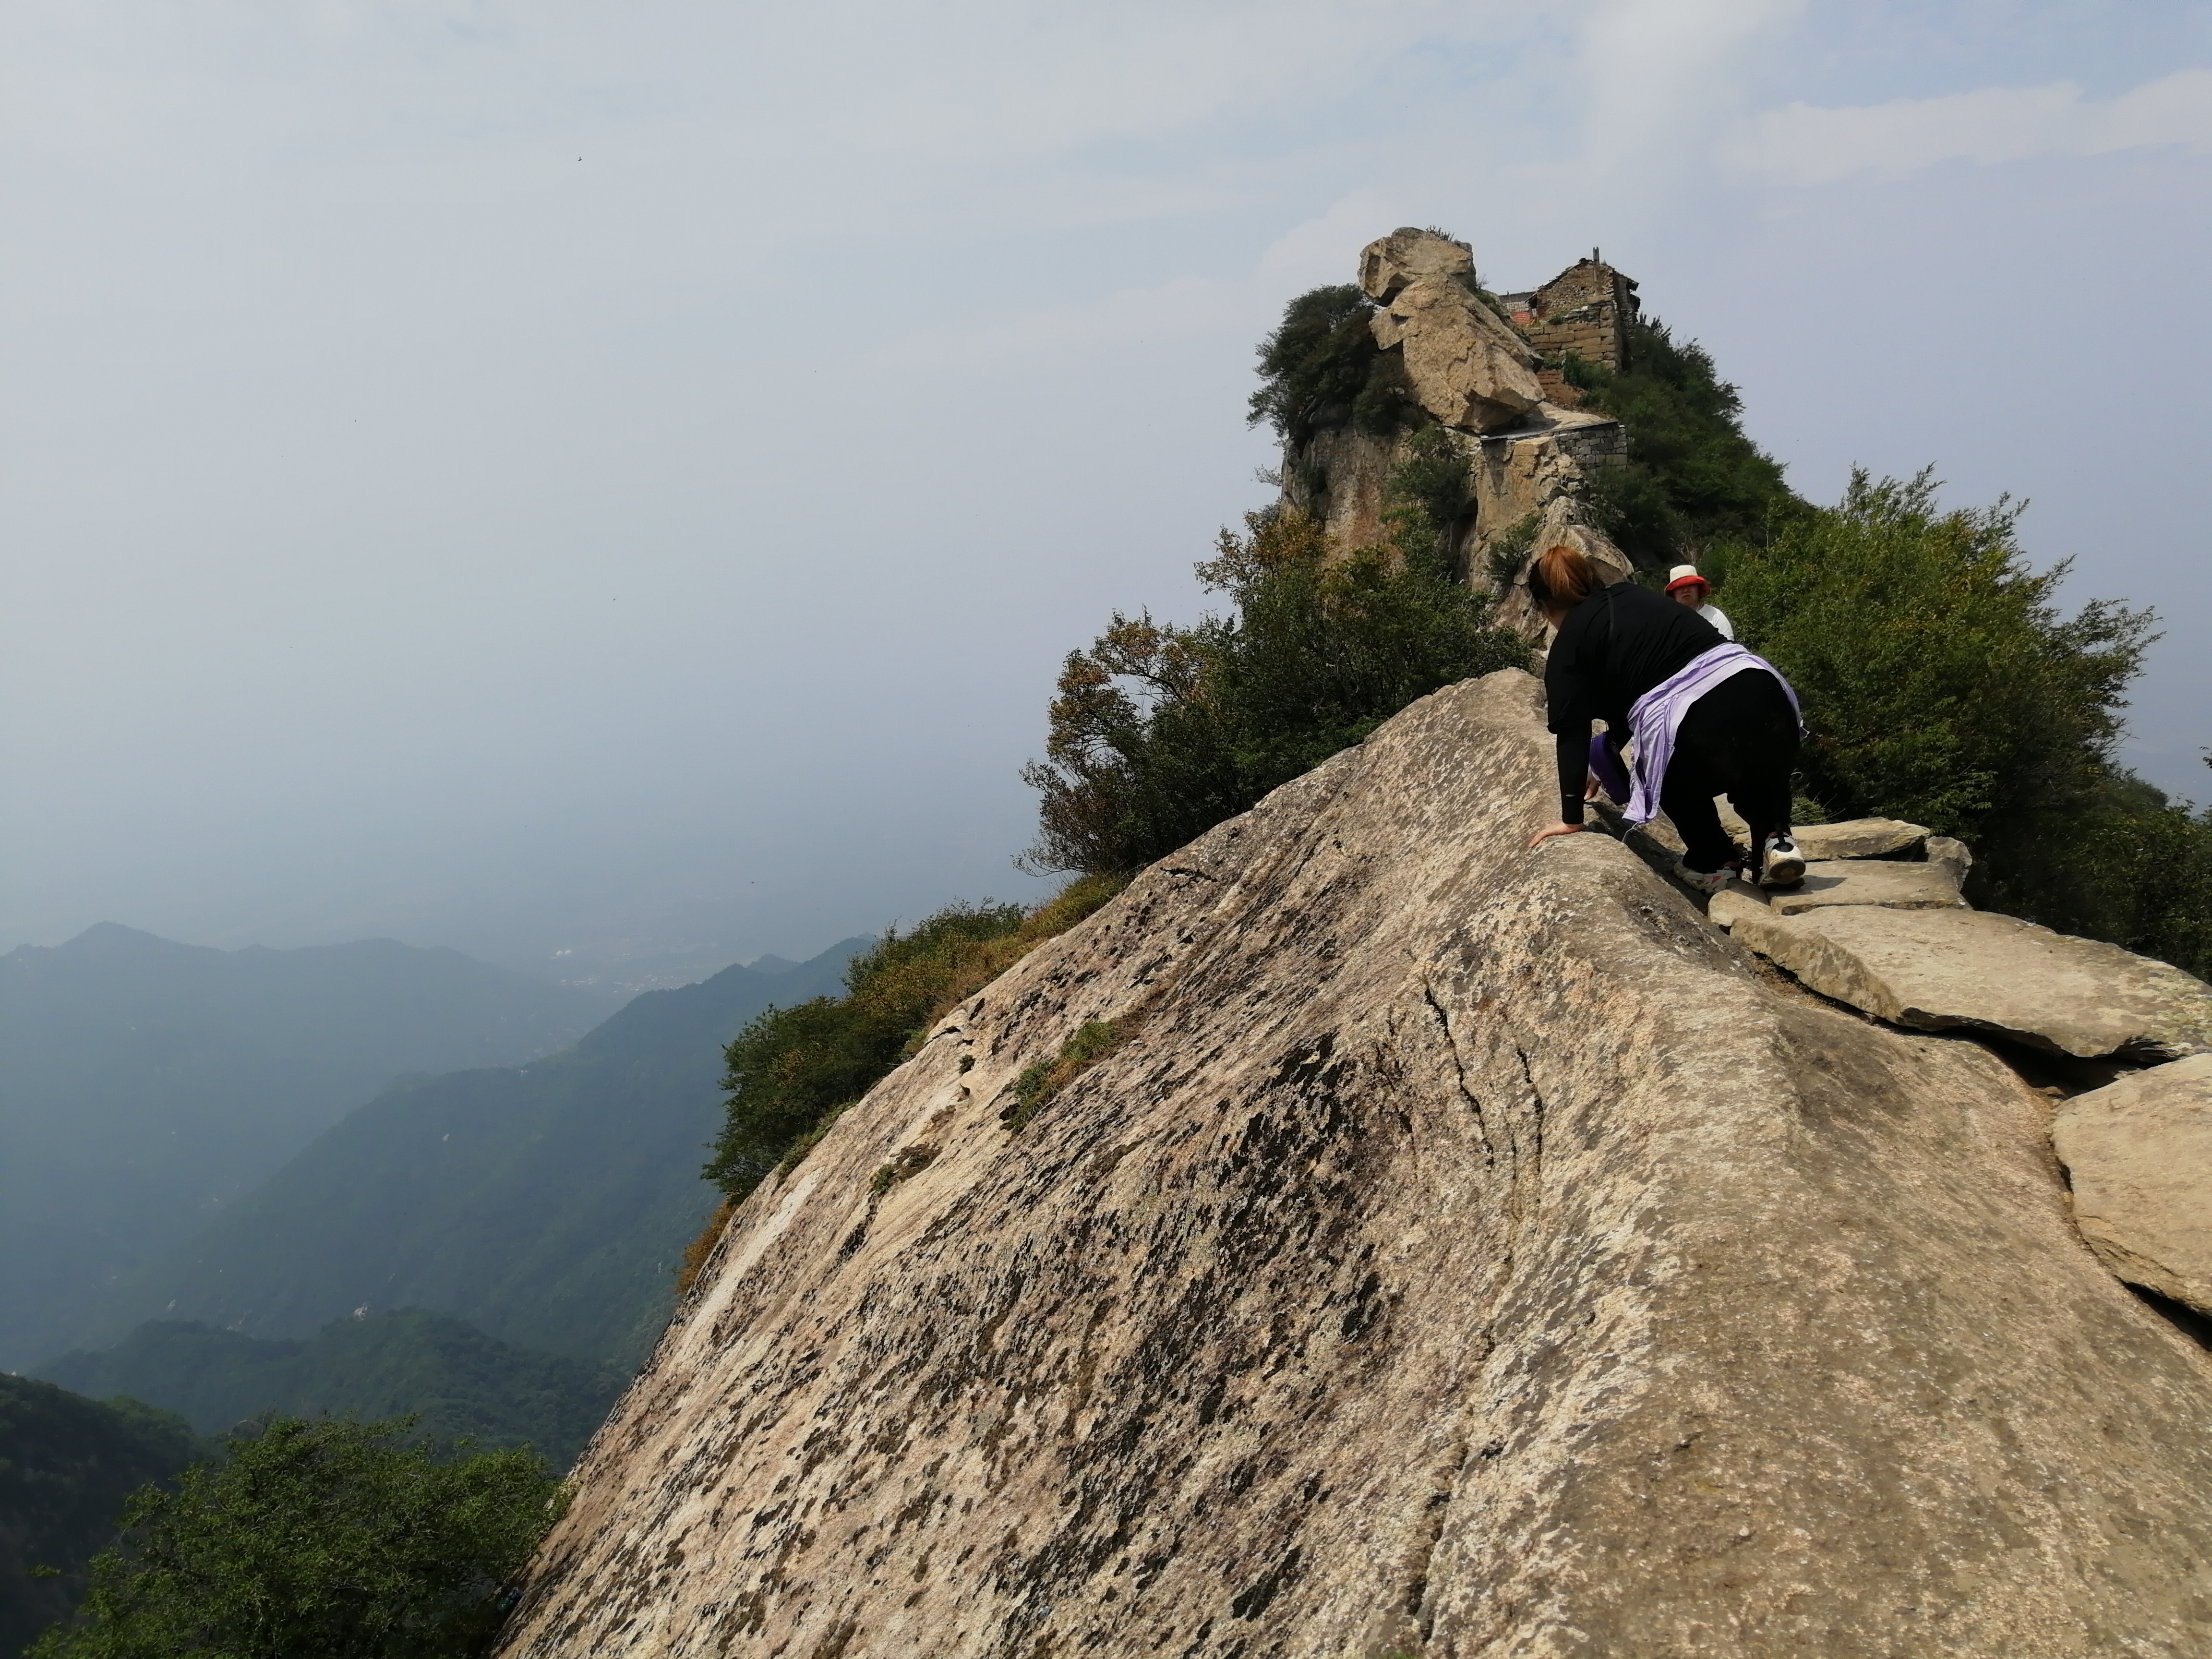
(546, 1204)
(144, 1083)
(66, 1465)
(456, 1379)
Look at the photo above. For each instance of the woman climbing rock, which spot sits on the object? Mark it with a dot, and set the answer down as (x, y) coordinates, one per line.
(1708, 719)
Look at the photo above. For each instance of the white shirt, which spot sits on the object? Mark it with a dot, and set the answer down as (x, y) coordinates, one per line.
(1713, 613)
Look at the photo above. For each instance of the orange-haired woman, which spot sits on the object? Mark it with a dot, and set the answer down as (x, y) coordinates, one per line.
(1708, 717)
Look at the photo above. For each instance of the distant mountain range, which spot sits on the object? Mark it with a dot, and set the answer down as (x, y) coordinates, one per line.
(145, 1084)
(458, 1380)
(548, 1204)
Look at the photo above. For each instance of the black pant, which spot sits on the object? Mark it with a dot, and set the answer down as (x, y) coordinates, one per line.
(1740, 740)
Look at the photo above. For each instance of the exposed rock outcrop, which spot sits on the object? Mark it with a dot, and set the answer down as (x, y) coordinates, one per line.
(1469, 367)
(2139, 1155)
(1562, 525)
(1950, 969)
(1478, 375)
(1464, 1252)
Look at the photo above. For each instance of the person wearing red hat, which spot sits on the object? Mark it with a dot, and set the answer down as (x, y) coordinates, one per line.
(1686, 586)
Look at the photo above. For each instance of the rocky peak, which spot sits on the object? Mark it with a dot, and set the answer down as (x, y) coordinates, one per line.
(1463, 1250)
(1390, 265)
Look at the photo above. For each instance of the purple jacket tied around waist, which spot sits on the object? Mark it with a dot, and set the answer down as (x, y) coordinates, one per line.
(1655, 717)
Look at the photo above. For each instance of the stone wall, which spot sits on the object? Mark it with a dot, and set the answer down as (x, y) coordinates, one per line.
(1586, 309)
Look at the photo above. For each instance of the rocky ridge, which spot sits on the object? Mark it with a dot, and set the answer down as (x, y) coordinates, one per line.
(1461, 1250)
(1477, 373)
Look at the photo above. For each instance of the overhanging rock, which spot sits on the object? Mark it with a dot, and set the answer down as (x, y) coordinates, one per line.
(1466, 1253)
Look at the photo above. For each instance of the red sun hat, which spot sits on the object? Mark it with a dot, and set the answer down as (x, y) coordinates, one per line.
(1685, 575)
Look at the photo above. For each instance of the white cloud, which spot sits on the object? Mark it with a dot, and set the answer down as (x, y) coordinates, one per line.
(1806, 145)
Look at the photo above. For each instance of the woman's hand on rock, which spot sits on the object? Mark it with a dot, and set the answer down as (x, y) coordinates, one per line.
(1552, 829)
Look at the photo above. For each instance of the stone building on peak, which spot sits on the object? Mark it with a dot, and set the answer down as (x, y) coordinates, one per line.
(1587, 310)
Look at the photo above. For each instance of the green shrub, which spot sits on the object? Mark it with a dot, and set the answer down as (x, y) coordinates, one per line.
(1692, 476)
(1320, 369)
(1501, 559)
(1158, 732)
(792, 1071)
(332, 1539)
(1428, 501)
(1942, 685)
(1091, 1041)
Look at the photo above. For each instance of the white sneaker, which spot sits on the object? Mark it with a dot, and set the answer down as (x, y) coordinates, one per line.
(1705, 881)
(1784, 865)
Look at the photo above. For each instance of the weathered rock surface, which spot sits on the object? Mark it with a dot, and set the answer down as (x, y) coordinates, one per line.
(1952, 853)
(1467, 367)
(1563, 525)
(1859, 838)
(2139, 1154)
(1939, 969)
(1868, 881)
(1390, 265)
(1732, 904)
(1467, 1253)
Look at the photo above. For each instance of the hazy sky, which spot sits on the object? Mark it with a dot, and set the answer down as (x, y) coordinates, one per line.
(527, 476)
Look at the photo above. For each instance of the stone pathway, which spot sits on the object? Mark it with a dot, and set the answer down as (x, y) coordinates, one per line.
(1880, 924)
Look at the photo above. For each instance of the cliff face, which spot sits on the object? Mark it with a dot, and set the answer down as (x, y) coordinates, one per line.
(1483, 378)
(1466, 1251)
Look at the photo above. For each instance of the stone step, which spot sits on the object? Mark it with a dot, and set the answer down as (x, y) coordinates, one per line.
(1857, 881)
(1938, 970)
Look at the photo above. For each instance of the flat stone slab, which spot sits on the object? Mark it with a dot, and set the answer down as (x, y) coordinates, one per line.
(1733, 902)
(1859, 838)
(1939, 969)
(1897, 886)
(1853, 881)
(2139, 1154)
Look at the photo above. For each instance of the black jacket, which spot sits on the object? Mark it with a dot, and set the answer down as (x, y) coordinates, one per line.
(1613, 647)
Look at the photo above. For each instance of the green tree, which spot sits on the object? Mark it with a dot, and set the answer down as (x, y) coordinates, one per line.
(1320, 369)
(1943, 684)
(1158, 732)
(331, 1539)
(1693, 475)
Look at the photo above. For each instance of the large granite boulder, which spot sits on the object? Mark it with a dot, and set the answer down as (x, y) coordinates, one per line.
(1467, 365)
(1390, 265)
(1946, 970)
(1466, 1252)
(2139, 1155)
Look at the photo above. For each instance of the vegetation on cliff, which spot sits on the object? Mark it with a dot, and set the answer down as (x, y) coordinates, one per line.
(1320, 369)
(66, 1465)
(1157, 732)
(316, 1540)
(791, 1070)
(1693, 475)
